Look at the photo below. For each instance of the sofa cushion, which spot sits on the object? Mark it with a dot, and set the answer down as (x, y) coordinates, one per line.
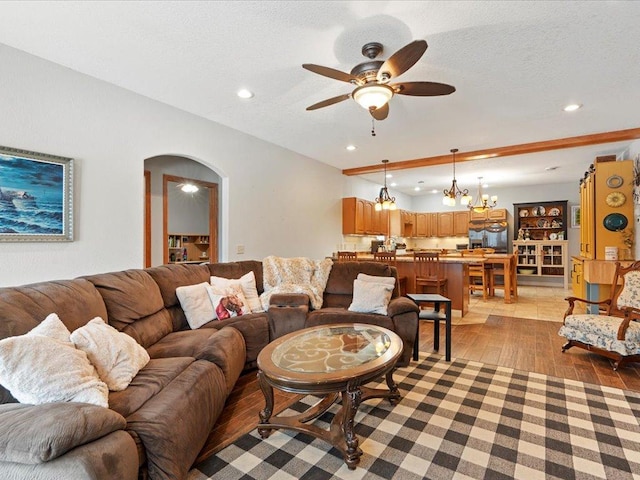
(134, 305)
(116, 356)
(339, 289)
(325, 316)
(169, 278)
(37, 368)
(34, 434)
(237, 270)
(225, 347)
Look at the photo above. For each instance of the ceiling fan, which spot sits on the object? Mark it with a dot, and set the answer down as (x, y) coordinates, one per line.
(373, 90)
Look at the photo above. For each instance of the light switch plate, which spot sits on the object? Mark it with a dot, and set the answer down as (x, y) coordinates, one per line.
(240, 249)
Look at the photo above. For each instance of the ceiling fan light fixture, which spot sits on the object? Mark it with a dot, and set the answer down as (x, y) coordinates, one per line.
(372, 96)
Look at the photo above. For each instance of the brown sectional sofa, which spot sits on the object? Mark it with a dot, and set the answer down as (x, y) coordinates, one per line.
(158, 424)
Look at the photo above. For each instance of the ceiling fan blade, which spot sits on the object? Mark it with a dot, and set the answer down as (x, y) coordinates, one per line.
(423, 89)
(402, 60)
(329, 101)
(330, 72)
(380, 113)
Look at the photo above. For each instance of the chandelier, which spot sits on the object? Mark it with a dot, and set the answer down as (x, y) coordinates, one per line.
(482, 203)
(384, 201)
(450, 195)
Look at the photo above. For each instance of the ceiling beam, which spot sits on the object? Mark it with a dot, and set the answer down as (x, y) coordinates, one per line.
(522, 149)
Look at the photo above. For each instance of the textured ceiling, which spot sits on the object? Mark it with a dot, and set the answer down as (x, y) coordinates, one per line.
(514, 65)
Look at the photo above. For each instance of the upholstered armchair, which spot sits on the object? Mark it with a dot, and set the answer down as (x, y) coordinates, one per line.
(615, 332)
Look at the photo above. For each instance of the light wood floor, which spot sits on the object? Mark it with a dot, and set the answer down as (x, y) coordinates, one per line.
(491, 333)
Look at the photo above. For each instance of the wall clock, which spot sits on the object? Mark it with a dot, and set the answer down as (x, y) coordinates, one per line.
(615, 199)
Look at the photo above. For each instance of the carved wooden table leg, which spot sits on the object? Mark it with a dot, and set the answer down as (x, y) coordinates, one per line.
(265, 414)
(394, 393)
(351, 399)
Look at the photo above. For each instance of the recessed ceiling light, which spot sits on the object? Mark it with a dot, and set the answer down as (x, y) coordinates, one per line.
(485, 185)
(572, 107)
(351, 148)
(417, 189)
(394, 184)
(434, 191)
(389, 175)
(244, 93)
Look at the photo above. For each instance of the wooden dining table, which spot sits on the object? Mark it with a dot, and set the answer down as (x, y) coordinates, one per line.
(507, 261)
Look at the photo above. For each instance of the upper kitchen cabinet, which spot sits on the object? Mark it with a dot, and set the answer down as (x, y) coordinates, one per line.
(497, 214)
(359, 217)
(445, 224)
(541, 220)
(402, 223)
(461, 223)
(426, 224)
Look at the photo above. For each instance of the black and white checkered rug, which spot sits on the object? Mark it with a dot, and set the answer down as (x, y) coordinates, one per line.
(459, 420)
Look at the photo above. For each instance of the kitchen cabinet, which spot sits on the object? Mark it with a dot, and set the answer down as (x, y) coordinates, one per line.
(402, 223)
(541, 220)
(426, 224)
(542, 258)
(497, 214)
(445, 224)
(461, 223)
(359, 217)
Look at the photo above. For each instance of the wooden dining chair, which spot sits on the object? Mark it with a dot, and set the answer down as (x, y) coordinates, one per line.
(479, 277)
(345, 256)
(429, 273)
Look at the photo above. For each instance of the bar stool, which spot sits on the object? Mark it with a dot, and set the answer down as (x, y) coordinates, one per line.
(428, 273)
(390, 258)
(345, 256)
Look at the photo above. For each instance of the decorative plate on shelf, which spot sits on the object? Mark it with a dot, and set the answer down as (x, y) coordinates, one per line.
(537, 211)
(542, 223)
(615, 181)
(616, 199)
(615, 222)
(554, 212)
(553, 236)
(524, 213)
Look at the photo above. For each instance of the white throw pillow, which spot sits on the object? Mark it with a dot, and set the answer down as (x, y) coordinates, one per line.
(117, 357)
(370, 297)
(228, 304)
(196, 304)
(42, 366)
(371, 278)
(248, 284)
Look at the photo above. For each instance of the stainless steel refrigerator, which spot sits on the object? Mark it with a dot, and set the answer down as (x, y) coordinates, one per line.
(485, 234)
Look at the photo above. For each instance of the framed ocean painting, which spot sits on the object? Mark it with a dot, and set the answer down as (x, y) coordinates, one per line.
(36, 198)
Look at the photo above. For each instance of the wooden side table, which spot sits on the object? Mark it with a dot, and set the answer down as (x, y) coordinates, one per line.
(435, 316)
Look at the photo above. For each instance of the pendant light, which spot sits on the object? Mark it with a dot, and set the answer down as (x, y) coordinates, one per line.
(482, 203)
(450, 195)
(384, 201)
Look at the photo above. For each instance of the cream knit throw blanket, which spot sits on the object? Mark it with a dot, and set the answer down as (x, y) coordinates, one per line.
(295, 275)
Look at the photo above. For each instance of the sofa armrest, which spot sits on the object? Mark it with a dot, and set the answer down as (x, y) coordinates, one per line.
(288, 300)
(287, 313)
(31, 434)
(400, 305)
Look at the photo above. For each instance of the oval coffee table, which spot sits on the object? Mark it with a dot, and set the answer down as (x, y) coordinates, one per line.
(331, 361)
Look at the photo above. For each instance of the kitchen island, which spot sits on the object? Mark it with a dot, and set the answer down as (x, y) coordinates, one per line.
(455, 270)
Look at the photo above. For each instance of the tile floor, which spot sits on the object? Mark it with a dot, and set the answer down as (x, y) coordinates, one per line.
(540, 303)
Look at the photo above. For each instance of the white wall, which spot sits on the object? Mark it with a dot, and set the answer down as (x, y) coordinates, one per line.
(275, 202)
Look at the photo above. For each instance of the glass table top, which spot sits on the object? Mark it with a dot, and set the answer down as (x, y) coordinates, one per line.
(331, 349)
